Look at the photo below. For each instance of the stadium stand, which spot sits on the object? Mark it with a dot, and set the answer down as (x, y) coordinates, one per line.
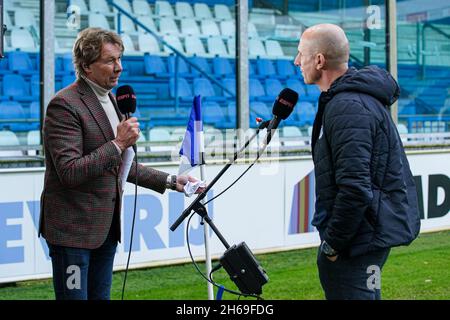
(9, 139)
(204, 31)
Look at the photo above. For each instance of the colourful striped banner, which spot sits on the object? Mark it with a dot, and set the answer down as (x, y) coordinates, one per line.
(303, 205)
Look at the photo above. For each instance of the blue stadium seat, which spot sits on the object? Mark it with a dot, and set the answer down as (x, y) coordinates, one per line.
(14, 86)
(194, 46)
(68, 63)
(67, 79)
(133, 67)
(183, 9)
(4, 66)
(222, 67)
(183, 68)
(273, 88)
(35, 61)
(184, 89)
(98, 20)
(33, 139)
(305, 113)
(20, 62)
(265, 68)
(251, 69)
(212, 113)
(285, 68)
(137, 112)
(230, 84)
(408, 71)
(13, 110)
(34, 109)
(216, 47)
(256, 89)
(209, 28)
(9, 138)
(313, 92)
(21, 39)
(222, 12)
(273, 49)
(203, 87)
(297, 86)
(58, 66)
(154, 65)
(34, 113)
(147, 43)
(231, 111)
(406, 107)
(202, 63)
(257, 109)
(175, 42)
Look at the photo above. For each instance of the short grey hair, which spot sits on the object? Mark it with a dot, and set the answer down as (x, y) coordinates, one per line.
(88, 47)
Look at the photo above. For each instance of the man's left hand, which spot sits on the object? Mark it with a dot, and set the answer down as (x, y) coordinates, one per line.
(182, 180)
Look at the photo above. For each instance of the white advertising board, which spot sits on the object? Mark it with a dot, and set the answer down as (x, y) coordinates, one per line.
(270, 209)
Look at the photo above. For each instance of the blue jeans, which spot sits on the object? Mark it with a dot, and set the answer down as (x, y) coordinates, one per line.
(83, 274)
(355, 278)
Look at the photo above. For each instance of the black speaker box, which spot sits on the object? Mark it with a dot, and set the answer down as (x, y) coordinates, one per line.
(243, 268)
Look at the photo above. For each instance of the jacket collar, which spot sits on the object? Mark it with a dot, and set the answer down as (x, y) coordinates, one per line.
(95, 108)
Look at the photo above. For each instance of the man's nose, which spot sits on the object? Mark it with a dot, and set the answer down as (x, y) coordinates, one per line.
(118, 67)
(297, 60)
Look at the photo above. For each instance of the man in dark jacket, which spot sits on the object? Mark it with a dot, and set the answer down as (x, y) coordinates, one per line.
(366, 201)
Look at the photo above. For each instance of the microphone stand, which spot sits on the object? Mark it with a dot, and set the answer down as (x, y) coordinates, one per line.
(242, 267)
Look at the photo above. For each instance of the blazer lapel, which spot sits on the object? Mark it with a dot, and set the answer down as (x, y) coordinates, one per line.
(98, 113)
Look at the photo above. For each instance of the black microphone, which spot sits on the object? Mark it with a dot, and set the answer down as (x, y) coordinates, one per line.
(126, 101)
(282, 108)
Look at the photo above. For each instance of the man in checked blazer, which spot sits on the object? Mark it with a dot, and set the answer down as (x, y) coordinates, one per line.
(84, 137)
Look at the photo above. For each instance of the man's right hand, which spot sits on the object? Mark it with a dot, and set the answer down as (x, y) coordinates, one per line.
(127, 133)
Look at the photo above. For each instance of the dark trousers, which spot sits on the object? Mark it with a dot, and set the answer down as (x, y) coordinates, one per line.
(356, 278)
(83, 274)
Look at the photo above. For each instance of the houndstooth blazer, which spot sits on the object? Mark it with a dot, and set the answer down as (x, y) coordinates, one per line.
(81, 194)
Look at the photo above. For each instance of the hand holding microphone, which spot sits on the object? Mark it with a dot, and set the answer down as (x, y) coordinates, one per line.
(128, 130)
(127, 133)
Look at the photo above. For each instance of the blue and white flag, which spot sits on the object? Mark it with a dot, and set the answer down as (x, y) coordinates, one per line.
(192, 150)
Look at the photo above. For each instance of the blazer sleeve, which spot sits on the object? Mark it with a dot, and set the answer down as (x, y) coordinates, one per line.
(148, 177)
(63, 137)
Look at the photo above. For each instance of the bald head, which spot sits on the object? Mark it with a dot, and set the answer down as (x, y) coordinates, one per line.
(329, 40)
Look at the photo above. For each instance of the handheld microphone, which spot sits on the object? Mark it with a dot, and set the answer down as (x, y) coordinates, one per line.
(282, 108)
(126, 101)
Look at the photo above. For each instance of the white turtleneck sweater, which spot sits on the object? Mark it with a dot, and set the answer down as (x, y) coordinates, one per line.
(103, 96)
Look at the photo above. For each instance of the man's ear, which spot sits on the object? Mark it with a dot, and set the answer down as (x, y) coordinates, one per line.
(86, 68)
(320, 61)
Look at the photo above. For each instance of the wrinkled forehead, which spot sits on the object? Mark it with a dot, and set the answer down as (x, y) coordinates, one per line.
(110, 50)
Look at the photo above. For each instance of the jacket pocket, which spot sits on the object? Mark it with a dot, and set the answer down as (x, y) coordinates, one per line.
(371, 214)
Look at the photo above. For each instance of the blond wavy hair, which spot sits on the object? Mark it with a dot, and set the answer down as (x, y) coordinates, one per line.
(88, 47)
